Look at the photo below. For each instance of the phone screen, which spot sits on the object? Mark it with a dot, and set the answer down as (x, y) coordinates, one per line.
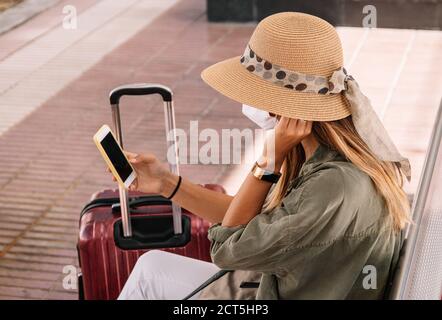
(116, 156)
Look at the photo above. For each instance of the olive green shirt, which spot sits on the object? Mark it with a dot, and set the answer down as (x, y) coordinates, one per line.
(331, 238)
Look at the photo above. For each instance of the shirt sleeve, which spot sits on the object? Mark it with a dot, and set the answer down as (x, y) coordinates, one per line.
(256, 246)
(264, 242)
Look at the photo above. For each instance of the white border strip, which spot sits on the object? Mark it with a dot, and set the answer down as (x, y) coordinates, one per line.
(397, 75)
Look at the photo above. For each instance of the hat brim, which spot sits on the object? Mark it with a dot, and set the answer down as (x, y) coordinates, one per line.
(230, 78)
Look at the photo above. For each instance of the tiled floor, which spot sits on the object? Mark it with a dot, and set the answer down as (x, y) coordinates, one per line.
(43, 67)
(53, 102)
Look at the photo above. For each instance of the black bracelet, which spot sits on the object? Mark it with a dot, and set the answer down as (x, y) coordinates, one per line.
(176, 188)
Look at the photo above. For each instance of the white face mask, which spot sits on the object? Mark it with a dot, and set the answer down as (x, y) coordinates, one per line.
(260, 117)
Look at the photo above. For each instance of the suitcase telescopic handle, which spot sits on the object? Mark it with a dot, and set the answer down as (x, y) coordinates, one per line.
(142, 89)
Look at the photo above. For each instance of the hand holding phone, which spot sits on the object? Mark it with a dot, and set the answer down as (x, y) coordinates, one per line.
(114, 156)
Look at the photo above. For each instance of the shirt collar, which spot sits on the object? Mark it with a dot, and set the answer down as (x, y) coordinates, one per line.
(322, 154)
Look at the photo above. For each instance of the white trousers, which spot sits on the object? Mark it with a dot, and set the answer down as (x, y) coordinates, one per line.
(161, 275)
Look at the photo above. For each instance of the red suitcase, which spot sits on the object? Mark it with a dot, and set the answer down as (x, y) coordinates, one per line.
(116, 228)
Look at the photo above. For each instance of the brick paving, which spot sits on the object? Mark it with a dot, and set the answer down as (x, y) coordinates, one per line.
(50, 167)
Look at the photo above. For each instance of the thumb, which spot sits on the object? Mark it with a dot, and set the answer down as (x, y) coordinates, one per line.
(130, 155)
(142, 158)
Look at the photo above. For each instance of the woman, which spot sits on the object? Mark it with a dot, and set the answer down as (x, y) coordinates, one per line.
(329, 227)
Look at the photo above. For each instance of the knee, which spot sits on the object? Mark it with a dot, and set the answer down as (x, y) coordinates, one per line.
(149, 261)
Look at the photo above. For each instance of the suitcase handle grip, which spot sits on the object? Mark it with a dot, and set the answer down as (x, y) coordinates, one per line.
(143, 201)
(140, 89)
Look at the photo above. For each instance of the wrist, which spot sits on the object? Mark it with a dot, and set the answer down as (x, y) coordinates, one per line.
(274, 165)
(168, 184)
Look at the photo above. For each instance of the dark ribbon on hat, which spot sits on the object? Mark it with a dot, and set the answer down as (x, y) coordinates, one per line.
(293, 80)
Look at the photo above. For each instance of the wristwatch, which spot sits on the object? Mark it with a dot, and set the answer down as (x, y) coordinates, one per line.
(265, 175)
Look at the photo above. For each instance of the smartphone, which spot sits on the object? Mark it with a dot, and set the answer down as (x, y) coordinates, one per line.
(114, 156)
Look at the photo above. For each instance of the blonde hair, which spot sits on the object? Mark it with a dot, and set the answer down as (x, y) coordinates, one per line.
(341, 135)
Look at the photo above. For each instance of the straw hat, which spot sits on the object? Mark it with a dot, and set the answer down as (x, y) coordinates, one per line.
(290, 41)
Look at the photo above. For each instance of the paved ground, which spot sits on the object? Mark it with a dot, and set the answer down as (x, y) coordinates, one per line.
(6, 4)
(20, 11)
(53, 97)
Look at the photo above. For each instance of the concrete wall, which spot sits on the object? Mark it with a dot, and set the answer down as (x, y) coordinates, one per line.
(412, 14)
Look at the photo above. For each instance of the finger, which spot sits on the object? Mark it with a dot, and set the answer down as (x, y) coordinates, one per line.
(284, 122)
(145, 158)
(293, 124)
(302, 124)
(133, 186)
(309, 125)
(130, 155)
